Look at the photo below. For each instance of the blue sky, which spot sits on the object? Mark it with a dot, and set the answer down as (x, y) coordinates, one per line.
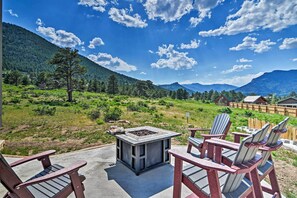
(167, 41)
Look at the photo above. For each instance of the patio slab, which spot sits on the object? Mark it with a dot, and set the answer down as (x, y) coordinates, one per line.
(107, 178)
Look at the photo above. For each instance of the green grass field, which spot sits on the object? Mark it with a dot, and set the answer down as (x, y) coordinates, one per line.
(37, 120)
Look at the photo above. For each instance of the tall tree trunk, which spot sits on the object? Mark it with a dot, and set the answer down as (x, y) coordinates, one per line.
(69, 92)
(1, 64)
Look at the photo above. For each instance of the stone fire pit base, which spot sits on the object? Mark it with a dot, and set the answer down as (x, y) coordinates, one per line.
(144, 148)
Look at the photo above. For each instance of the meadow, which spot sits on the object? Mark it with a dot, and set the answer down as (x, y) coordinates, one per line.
(36, 120)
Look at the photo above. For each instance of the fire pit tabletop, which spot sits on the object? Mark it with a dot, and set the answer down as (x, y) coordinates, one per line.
(134, 136)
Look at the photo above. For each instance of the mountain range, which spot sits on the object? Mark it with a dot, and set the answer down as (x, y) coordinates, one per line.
(276, 82)
(25, 51)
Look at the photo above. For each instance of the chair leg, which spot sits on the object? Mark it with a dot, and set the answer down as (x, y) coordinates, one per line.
(177, 183)
(189, 148)
(274, 183)
(77, 185)
(256, 183)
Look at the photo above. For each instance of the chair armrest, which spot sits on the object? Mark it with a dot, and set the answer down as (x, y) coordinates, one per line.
(198, 129)
(223, 143)
(202, 163)
(208, 136)
(194, 130)
(38, 156)
(64, 171)
(238, 135)
(271, 148)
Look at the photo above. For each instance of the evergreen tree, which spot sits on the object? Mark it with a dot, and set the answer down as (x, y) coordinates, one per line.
(68, 68)
(25, 80)
(112, 86)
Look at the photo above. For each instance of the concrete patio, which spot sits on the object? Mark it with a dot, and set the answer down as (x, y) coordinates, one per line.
(106, 178)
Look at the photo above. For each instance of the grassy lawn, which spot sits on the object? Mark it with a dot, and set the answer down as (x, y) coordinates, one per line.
(28, 128)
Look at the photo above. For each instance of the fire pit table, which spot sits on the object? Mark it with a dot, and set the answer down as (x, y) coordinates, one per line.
(144, 148)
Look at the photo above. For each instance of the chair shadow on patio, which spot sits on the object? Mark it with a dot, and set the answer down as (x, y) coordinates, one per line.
(147, 184)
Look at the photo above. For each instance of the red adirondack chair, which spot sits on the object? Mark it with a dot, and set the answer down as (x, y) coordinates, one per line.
(54, 181)
(219, 129)
(208, 178)
(267, 165)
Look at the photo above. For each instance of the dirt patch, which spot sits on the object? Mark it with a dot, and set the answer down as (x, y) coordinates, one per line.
(286, 175)
(21, 128)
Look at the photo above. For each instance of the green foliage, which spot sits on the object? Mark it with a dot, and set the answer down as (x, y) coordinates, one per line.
(112, 114)
(94, 114)
(45, 110)
(248, 114)
(200, 109)
(225, 110)
(112, 86)
(15, 100)
(99, 122)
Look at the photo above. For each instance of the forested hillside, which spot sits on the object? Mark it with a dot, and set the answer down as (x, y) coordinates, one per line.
(27, 52)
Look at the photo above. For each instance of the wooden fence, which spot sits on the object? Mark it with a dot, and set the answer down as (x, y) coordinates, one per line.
(287, 111)
(257, 124)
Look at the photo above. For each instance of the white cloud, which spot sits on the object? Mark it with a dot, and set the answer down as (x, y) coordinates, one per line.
(193, 45)
(151, 51)
(250, 43)
(12, 13)
(142, 73)
(98, 5)
(130, 8)
(83, 48)
(289, 43)
(237, 68)
(294, 59)
(168, 10)
(59, 37)
(121, 16)
(39, 22)
(235, 80)
(253, 15)
(95, 42)
(244, 60)
(173, 59)
(112, 63)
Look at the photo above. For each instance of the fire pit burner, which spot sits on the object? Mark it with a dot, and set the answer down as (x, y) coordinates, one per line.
(144, 148)
(142, 132)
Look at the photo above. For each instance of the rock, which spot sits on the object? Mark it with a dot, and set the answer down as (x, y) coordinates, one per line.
(124, 121)
(114, 130)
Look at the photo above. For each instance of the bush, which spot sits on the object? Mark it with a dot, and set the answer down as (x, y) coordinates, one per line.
(113, 114)
(133, 107)
(248, 114)
(200, 109)
(162, 102)
(45, 110)
(142, 104)
(225, 110)
(94, 114)
(15, 100)
(99, 122)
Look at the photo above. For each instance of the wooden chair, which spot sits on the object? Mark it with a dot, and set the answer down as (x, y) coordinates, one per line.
(54, 181)
(219, 129)
(266, 167)
(208, 178)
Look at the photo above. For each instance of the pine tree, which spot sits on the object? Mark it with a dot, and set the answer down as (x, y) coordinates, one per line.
(112, 86)
(68, 68)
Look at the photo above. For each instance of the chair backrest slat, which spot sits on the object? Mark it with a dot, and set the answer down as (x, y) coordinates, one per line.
(244, 155)
(220, 124)
(9, 178)
(272, 139)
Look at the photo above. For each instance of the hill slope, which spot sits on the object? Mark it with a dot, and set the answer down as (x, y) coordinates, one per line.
(277, 82)
(175, 86)
(27, 52)
(216, 87)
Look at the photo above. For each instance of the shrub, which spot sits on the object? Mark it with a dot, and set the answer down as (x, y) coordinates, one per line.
(133, 107)
(248, 114)
(142, 104)
(162, 102)
(200, 109)
(225, 110)
(45, 110)
(153, 108)
(94, 114)
(84, 106)
(15, 100)
(99, 121)
(113, 114)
